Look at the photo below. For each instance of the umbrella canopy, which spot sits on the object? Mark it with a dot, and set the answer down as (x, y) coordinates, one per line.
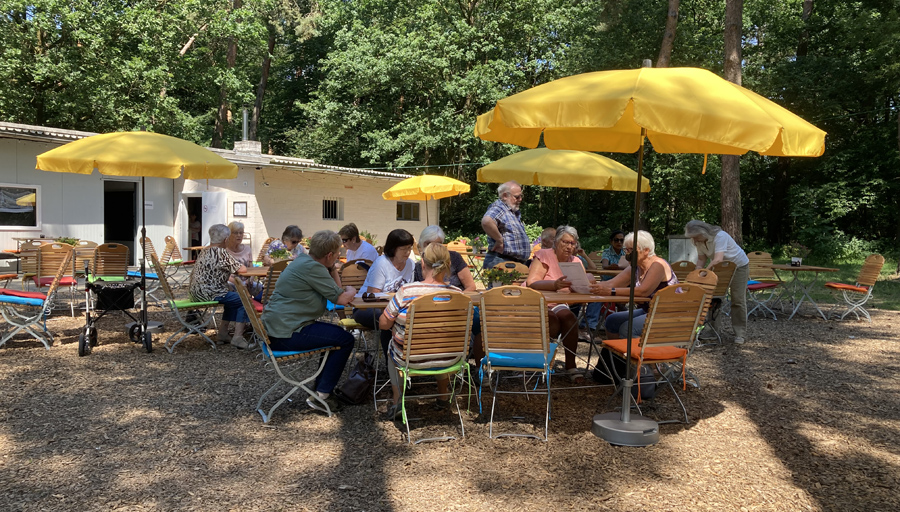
(684, 110)
(562, 168)
(143, 154)
(425, 187)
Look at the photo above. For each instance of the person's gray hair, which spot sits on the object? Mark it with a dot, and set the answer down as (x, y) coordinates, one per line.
(432, 233)
(324, 242)
(565, 230)
(644, 241)
(292, 232)
(505, 188)
(218, 233)
(235, 226)
(700, 228)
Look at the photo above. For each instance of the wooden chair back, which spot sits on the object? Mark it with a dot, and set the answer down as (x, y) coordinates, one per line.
(673, 317)
(870, 270)
(271, 278)
(353, 275)
(172, 252)
(438, 326)
(597, 258)
(380, 250)
(514, 319)
(761, 267)
(265, 247)
(28, 256)
(163, 281)
(84, 253)
(110, 260)
(458, 246)
(725, 271)
(706, 279)
(259, 329)
(682, 269)
(514, 266)
(54, 264)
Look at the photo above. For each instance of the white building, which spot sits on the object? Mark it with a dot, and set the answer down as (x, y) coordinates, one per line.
(270, 193)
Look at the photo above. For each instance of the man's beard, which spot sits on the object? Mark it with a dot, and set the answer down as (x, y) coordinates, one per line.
(513, 207)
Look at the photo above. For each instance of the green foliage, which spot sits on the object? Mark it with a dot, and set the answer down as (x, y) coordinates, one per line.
(369, 237)
(533, 231)
(68, 240)
(498, 274)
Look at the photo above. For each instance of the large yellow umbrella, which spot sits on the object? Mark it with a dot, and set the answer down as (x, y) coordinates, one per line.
(680, 110)
(425, 187)
(143, 154)
(562, 168)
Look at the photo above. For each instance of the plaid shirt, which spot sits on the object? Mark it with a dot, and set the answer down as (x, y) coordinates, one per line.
(515, 241)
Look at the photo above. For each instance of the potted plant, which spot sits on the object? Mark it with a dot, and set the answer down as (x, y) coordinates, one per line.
(479, 243)
(500, 277)
(796, 251)
(280, 254)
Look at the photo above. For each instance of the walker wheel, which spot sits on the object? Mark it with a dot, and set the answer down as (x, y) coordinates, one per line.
(134, 333)
(84, 347)
(148, 341)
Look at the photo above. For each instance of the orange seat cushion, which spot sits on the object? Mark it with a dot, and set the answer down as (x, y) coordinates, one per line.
(47, 281)
(651, 354)
(847, 287)
(8, 276)
(23, 294)
(257, 305)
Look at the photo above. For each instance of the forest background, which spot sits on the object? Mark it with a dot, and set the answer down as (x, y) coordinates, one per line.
(397, 85)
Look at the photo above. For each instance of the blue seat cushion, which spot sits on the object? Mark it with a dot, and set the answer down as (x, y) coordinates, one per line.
(286, 353)
(330, 306)
(519, 360)
(21, 301)
(135, 273)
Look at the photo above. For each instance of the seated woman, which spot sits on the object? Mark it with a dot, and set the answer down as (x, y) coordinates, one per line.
(290, 242)
(357, 248)
(209, 282)
(298, 301)
(545, 274)
(388, 273)
(436, 269)
(243, 255)
(653, 274)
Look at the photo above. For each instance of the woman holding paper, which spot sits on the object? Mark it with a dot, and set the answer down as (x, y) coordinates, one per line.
(546, 274)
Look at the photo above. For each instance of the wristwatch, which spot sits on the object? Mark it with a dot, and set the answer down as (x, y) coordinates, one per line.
(614, 291)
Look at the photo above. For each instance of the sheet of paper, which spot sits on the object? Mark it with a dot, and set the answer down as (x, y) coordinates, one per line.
(575, 273)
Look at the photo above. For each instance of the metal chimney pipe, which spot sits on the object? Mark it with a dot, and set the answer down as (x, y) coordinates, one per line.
(245, 126)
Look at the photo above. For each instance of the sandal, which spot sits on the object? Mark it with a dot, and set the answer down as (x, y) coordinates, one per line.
(394, 412)
(575, 375)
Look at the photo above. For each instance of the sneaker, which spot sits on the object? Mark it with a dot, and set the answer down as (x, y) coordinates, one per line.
(575, 375)
(739, 340)
(240, 342)
(332, 402)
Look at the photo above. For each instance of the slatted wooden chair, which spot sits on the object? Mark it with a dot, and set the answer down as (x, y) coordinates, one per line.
(147, 249)
(682, 269)
(724, 270)
(49, 257)
(272, 276)
(287, 365)
(857, 295)
(26, 311)
(110, 262)
(28, 260)
(597, 258)
(437, 328)
(265, 248)
(514, 322)
(178, 271)
(667, 337)
(204, 312)
(84, 253)
(514, 266)
(765, 286)
(706, 279)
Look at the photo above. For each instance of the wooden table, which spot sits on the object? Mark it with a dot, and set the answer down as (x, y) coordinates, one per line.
(796, 286)
(255, 272)
(473, 258)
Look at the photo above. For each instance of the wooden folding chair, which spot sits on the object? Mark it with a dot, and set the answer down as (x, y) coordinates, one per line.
(682, 269)
(84, 253)
(265, 248)
(856, 295)
(152, 280)
(285, 363)
(597, 258)
(25, 311)
(724, 270)
(707, 280)
(110, 262)
(437, 327)
(514, 329)
(28, 260)
(667, 336)
(514, 266)
(49, 257)
(765, 290)
(205, 312)
(177, 270)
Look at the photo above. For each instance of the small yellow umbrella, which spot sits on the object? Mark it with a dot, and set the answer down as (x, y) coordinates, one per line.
(27, 200)
(143, 154)
(425, 187)
(562, 168)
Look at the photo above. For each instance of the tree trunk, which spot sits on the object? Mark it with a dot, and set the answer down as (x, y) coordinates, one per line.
(665, 49)
(223, 114)
(731, 164)
(261, 87)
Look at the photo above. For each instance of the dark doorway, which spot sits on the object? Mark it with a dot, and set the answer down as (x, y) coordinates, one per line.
(195, 222)
(120, 214)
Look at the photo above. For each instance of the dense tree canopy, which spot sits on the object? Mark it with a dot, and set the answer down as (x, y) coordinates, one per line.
(397, 85)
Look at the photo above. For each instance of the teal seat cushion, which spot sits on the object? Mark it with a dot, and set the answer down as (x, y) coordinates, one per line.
(519, 359)
(286, 353)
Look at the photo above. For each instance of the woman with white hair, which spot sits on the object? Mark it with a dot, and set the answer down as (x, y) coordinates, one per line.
(459, 276)
(209, 283)
(653, 274)
(715, 246)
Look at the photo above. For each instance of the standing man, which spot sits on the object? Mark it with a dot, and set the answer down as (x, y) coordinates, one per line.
(507, 240)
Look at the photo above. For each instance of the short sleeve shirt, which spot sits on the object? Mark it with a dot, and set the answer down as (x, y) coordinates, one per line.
(549, 259)
(610, 255)
(724, 243)
(209, 278)
(515, 240)
(397, 309)
(299, 297)
(457, 265)
(384, 276)
(365, 252)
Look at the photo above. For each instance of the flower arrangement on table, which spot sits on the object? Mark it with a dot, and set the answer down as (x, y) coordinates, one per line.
(463, 240)
(500, 275)
(279, 252)
(796, 251)
(479, 242)
(68, 240)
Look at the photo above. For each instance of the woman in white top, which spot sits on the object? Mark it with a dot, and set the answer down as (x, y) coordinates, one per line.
(357, 248)
(714, 246)
(388, 273)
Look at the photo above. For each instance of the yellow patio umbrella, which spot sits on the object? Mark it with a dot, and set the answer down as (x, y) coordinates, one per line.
(425, 187)
(143, 154)
(27, 199)
(562, 168)
(679, 110)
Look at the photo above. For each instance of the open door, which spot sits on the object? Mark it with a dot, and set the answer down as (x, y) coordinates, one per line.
(214, 212)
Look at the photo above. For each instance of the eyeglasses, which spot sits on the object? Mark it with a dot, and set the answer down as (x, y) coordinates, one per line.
(345, 240)
(628, 250)
(295, 241)
(619, 240)
(569, 243)
(518, 197)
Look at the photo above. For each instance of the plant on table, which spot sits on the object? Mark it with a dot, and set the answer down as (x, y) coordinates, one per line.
(68, 240)
(479, 242)
(501, 275)
(368, 237)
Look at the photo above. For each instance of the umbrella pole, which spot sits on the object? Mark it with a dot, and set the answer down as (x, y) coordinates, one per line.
(143, 260)
(621, 428)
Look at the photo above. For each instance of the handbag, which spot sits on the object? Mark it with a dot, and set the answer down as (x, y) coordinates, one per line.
(356, 389)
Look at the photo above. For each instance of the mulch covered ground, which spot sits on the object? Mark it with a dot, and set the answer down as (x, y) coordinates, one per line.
(804, 416)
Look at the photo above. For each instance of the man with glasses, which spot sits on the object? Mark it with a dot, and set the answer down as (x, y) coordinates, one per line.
(357, 248)
(507, 240)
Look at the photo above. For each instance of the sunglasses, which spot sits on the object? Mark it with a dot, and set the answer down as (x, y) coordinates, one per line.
(371, 297)
(295, 241)
(345, 240)
(620, 240)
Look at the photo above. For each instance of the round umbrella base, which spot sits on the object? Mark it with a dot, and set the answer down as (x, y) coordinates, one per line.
(639, 431)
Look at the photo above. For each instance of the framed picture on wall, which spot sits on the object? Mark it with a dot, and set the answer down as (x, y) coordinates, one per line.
(240, 208)
(20, 206)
